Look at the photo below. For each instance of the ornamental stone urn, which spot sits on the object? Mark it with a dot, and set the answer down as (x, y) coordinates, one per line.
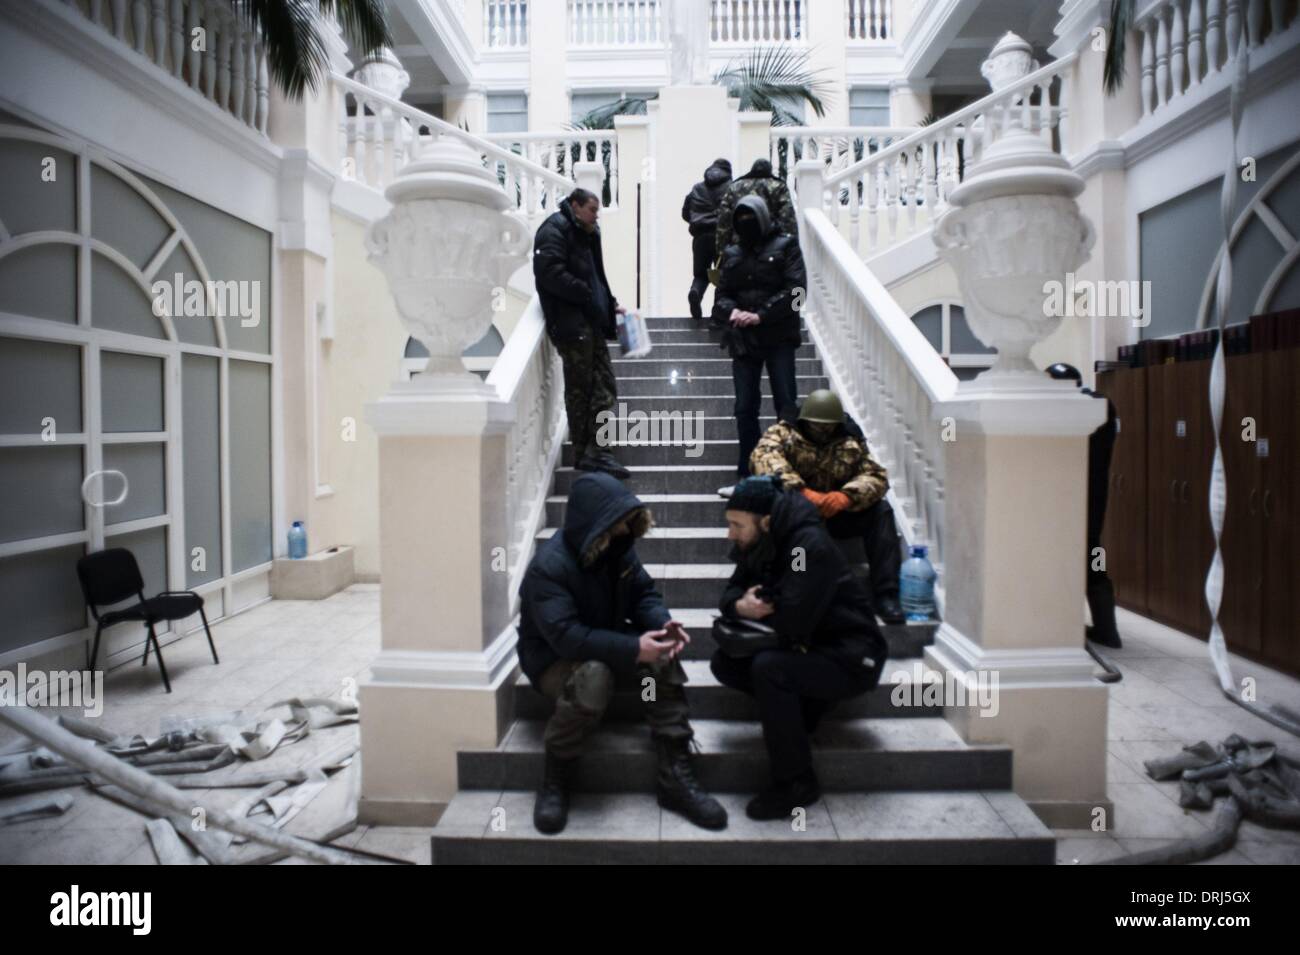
(447, 249)
(1011, 59)
(1011, 229)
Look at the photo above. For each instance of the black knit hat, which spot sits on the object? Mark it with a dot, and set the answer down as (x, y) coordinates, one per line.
(754, 494)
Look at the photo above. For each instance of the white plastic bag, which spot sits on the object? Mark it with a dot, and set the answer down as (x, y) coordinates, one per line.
(633, 335)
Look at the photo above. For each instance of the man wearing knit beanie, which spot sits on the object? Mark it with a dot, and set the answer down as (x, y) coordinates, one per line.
(791, 575)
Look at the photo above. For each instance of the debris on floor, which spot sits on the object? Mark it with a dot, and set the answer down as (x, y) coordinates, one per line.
(1253, 781)
(299, 758)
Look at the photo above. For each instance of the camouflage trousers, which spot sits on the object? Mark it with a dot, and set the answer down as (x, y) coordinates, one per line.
(582, 691)
(589, 389)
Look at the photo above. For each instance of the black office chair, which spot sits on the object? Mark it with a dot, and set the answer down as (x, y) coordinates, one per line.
(112, 575)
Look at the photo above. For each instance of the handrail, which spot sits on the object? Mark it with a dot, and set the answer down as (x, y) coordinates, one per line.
(418, 118)
(508, 369)
(954, 120)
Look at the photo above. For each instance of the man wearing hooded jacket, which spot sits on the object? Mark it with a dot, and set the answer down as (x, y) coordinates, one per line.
(700, 211)
(791, 576)
(760, 288)
(591, 617)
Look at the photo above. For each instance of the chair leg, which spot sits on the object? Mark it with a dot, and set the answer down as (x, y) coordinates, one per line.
(153, 638)
(206, 629)
(94, 654)
(145, 661)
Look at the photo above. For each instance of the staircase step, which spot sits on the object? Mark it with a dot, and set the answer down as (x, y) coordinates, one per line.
(683, 452)
(907, 641)
(663, 386)
(710, 700)
(664, 478)
(698, 366)
(684, 545)
(721, 403)
(980, 827)
(677, 351)
(864, 755)
(670, 510)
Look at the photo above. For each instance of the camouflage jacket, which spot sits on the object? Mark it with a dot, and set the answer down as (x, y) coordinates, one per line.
(842, 464)
(773, 191)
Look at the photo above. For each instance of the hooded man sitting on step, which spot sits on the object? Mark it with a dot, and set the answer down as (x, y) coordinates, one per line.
(591, 617)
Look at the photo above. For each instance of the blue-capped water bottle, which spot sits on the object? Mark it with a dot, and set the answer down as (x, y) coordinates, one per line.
(916, 586)
(297, 541)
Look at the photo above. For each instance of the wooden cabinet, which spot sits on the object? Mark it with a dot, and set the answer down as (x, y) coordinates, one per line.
(1158, 539)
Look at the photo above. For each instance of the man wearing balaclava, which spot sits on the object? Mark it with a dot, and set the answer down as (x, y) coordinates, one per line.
(821, 453)
(761, 287)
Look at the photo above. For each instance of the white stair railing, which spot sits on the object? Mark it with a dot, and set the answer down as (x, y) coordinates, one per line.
(561, 152)
(619, 23)
(1185, 43)
(917, 173)
(748, 22)
(869, 20)
(527, 375)
(886, 373)
(230, 70)
(380, 135)
(838, 147)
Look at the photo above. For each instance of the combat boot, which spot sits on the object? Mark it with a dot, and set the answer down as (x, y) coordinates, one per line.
(680, 791)
(551, 810)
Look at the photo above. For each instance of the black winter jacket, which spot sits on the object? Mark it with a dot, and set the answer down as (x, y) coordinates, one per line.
(820, 605)
(562, 272)
(766, 278)
(594, 609)
(700, 209)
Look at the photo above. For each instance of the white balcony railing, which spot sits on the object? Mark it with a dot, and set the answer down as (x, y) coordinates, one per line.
(916, 174)
(527, 375)
(380, 135)
(561, 152)
(230, 71)
(887, 374)
(620, 23)
(746, 22)
(1188, 42)
(505, 24)
(869, 19)
(837, 147)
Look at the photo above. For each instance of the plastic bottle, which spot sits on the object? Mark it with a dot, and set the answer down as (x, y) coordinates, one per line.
(916, 586)
(297, 541)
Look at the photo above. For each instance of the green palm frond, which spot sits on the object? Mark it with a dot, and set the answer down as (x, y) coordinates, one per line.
(602, 117)
(1121, 21)
(296, 57)
(774, 78)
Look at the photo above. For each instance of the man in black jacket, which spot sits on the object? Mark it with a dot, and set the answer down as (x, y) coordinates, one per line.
(700, 211)
(760, 289)
(791, 576)
(591, 616)
(580, 310)
(1101, 447)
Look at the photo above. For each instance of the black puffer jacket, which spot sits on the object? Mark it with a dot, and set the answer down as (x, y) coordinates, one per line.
(820, 605)
(582, 599)
(700, 209)
(767, 278)
(563, 258)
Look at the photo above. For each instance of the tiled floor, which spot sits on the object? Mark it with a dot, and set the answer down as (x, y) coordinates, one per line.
(1168, 698)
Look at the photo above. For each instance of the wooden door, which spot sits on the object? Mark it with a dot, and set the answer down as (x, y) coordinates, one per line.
(1280, 504)
(1194, 457)
(1124, 536)
(1245, 434)
(1161, 494)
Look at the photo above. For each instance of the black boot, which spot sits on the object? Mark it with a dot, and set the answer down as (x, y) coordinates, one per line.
(888, 609)
(782, 799)
(551, 810)
(680, 791)
(693, 298)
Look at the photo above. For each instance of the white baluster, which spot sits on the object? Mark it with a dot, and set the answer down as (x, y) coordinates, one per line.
(1277, 14)
(140, 25)
(159, 23)
(119, 19)
(193, 57)
(1178, 52)
(237, 58)
(1149, 68)
(177, 24)
(855, 213)
(223, 60)
(873, 202)
(1213, 35)
(249, 115)
(263, 89)
(1232, 30)
(1255, 22)
(1195, 41)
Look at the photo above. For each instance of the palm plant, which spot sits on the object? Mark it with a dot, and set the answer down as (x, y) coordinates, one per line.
(1121, 21)
(295, 53)
(773, 79)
